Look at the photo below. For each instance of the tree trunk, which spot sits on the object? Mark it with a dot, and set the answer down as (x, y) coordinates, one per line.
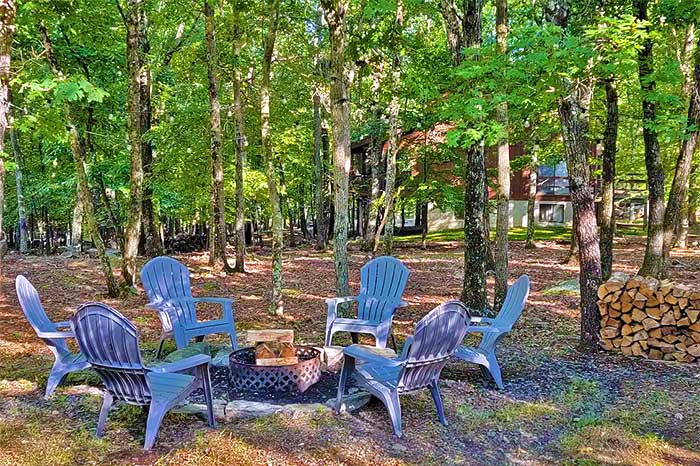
(531, 196)
(8, 12)
(375, 157)
(133, 60)
(153, 245)
(503, 192)
(573, 112)
(607, 208)
(475, 241)
(653, 264)
(319, 162)
(387, 224)
(679, 187)
(21, 209)
(217, 232)
(241, 143)
(77, 144)
(113, 220)
(271, 164)
(76, 232)
(335, 11)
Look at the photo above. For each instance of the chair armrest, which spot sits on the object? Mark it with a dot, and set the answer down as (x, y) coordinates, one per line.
(183, 364)
(340, 300)
(68, 334)
(406, 347)
(485, 329)
(358, 352)
(222, 301)
(63, 324)
(402, 304)
(481, 320)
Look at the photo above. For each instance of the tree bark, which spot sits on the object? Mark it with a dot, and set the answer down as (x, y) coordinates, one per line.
(319, 162)
(76, 232)
(653, 264)
(573, 112)
(375, 157)
(8, 12)
(132, 234)
(241, 142)
(335, 11)
(217, 231)
(271, 163)
(679, 187)
(19, 184)
(607, 208)
(503, 192)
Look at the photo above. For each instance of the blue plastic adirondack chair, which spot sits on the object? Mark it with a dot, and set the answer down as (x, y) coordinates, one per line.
(382, 281)
(65, 361)
(167, 284)
(493, 330)
(424, 355)
(111, 344)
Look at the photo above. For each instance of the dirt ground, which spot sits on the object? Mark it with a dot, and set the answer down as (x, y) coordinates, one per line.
(559, 406)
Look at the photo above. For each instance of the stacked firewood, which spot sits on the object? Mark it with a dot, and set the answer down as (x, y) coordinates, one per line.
(650, 318)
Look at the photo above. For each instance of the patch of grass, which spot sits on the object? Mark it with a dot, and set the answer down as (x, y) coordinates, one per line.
(210, 287)
(558, 233)
(581, 395)
(507, 417)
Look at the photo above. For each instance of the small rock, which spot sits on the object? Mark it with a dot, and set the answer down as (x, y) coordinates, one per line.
(200, 410)
(678, 416)
(221, 358)
(238, 409)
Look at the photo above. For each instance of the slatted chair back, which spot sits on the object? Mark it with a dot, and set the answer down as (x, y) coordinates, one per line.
(382, 282)
(510, 312)
(110, 343)
(36, 315)
(437, 336)
(166, 279)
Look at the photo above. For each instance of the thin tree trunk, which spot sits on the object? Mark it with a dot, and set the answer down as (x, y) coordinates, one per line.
(375, 156)
(679, 187)
(19, 184)
(217, 232)
(76, 232)
(335, 11)
(78, 150)
(133, 60)
(607, 209)
(503, 193)
(153, 246)
(531, 196)
(387, 224)
(653, 264)
(271, 164)
(110, 212)
(241, 142)
(319, 175)
(8, 12)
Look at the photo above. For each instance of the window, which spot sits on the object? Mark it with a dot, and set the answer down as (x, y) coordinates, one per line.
(553, 179)
(551, 213)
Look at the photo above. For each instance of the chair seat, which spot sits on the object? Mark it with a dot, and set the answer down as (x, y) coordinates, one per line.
(378, 375)
(208, 324)
(351, 323)
(168, 386)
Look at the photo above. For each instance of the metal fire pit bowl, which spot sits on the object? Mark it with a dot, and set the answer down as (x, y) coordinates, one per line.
(247, 376)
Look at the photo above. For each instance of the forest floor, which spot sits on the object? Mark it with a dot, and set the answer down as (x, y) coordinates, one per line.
(559, 406)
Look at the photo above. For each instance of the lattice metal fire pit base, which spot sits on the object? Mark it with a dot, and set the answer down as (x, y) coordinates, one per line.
(247, 376)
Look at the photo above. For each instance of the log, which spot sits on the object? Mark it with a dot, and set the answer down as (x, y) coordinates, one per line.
(263, 336)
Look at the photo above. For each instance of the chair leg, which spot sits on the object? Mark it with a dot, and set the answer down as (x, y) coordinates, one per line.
(206, 383)
(435, 391)
(234, 344)
(160, 346)
(348, 368)
(58, 373)
(355, 337)
(107, 401)
(393, 341)
(329, 336)
(495, 370)
(156, 413)
(393, 405)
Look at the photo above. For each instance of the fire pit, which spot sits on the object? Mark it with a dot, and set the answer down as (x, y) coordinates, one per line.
(274, 364)
(246, 375)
